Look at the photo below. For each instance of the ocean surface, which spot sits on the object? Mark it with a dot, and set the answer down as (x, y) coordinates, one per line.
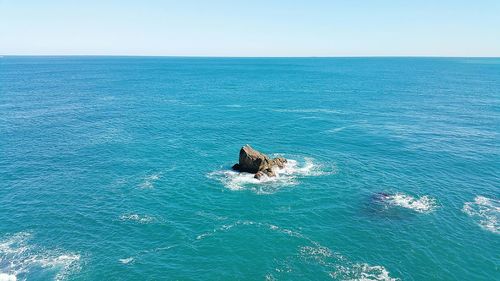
(118, 168)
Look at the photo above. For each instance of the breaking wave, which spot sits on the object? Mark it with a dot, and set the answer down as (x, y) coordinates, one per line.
(20, 260)
(423, 204)
(485, 211)
(312, 253)
(287, 176)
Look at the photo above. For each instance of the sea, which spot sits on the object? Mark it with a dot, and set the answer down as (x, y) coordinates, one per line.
(119, 168)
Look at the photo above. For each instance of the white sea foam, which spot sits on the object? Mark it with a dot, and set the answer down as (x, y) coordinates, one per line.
(486, 211)
(137, 218)
(362, 272)
(287, 176)
(149, 180)
(269, 277)
(423, 204)
(318, 251)
(341, 268)
(19, 259)
(126, 260)
(7, 277)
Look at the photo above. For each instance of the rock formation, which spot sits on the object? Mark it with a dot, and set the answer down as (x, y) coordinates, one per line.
(255, 162)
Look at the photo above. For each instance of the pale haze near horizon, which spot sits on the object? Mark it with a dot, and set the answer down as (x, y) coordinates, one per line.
(250, 28)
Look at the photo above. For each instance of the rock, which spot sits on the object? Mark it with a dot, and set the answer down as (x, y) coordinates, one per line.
(236, 167)
(279, 161)
(270, 173)
(252, 161)
(259, 175)
(255, 162)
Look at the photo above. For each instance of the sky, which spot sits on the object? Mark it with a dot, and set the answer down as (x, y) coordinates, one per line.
(251, 27)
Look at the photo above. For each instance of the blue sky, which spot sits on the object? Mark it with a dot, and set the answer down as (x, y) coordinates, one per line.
(251, 28)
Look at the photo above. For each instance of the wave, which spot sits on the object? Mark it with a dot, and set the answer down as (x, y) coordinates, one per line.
(20, 260)
(310, 252)
(287, 176)
(486, 211)
(423, 204)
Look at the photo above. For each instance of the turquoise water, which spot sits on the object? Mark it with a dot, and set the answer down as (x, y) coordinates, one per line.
(117, 168)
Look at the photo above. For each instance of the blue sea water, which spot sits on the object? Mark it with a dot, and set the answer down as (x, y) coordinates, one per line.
(118, 168)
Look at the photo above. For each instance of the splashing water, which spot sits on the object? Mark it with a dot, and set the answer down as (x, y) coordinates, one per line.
(289, 175)
(485, 211)
(423, 204)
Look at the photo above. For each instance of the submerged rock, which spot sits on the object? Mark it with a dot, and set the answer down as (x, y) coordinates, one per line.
(255, 162)
(381, 196)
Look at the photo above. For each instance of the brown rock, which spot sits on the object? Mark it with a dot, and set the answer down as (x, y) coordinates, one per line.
(259, 175)
(279, 161)
(255, 162)
(252, 161)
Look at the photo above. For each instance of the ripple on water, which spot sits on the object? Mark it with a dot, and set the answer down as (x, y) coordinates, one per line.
(309, 253)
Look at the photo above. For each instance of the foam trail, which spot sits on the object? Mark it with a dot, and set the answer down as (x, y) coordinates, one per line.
(486, 212)
(312, 252)
(137, 218)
